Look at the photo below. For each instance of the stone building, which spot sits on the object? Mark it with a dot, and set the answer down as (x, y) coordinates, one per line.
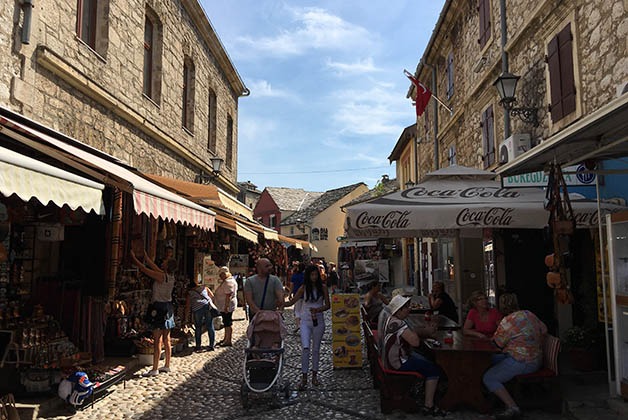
(572, 56)
(249, 194)
(147, 81)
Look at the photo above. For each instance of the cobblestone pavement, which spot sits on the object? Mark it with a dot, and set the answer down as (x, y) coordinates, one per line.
(208, 384)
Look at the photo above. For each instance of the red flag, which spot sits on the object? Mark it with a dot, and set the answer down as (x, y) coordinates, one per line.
(423, 94)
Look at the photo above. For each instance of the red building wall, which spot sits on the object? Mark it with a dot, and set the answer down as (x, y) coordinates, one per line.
(266, 207)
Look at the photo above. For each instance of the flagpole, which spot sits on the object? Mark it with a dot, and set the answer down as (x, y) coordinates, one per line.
(408, 74)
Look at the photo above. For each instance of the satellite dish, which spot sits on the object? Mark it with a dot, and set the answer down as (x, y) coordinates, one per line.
(503, 154)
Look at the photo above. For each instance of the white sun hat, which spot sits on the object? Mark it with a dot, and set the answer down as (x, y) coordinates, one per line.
(397, 303)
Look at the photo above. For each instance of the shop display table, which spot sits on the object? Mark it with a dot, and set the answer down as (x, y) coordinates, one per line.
(464, 362)
(100, 390)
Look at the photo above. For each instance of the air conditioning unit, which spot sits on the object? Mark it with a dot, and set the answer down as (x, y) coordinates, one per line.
(514, 146)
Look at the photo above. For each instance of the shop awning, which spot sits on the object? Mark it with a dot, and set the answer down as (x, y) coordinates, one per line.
(291, 241)
(237, 227)
(603, 134)
(28, 178)
(204, 194)
(148, 197)
(270, 234)
(444, 204)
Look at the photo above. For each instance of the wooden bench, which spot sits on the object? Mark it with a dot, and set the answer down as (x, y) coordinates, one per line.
(541, 389)
(394, 386)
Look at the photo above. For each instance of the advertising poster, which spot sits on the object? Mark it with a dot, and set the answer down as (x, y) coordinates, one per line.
(346, 338)
(210, 272)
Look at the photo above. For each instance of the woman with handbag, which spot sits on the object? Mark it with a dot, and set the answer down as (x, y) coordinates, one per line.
(160, 311)
(200, 302)
(227, 302)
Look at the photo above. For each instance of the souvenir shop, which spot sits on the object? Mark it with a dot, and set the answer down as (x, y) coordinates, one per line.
(362, 261)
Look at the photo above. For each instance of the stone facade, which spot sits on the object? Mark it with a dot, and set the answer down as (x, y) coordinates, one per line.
(96, 95)
(600, 54)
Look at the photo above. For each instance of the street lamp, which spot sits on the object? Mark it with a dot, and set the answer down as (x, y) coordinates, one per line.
(506, 85)
(216, 168)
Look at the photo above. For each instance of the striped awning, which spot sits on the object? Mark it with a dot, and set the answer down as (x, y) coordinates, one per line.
(29, 178)
(168, 210)
(148, 197)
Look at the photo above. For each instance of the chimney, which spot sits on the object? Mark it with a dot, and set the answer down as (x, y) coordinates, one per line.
(385, 178)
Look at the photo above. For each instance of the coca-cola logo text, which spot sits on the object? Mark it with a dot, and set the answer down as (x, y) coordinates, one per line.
(496, 216)
(391, 220)
(471, 192)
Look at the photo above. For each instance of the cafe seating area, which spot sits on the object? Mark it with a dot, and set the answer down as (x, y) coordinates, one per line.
(464, 361)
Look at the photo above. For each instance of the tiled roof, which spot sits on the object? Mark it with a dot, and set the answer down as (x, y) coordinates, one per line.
(387, 186)
(292, 199)
(327, 199)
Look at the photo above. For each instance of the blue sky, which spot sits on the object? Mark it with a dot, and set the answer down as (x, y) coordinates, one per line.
(327, 85)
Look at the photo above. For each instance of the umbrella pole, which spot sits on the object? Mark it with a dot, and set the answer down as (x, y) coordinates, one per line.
(603, 267)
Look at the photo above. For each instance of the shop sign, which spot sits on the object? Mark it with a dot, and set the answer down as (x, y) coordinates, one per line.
(210, 272)
(539, 179)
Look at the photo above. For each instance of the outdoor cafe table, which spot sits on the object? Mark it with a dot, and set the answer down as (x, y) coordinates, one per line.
(417, 320)
(464, 362)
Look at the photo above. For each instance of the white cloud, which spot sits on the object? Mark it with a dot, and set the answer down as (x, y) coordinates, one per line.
(374, 111)
(358, 67)
(253, 129)
(314, 28)
(263, 89)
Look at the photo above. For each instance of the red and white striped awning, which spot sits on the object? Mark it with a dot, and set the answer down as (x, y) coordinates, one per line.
(168, 210)
(148, 197)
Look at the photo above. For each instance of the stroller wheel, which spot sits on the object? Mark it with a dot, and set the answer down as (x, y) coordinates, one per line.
(244, 397)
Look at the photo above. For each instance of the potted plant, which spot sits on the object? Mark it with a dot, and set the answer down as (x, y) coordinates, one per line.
(581, 345)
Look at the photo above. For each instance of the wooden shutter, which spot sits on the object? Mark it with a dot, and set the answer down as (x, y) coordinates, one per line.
(488, 140)
(450, 75)
(485, 21)
(562, 81)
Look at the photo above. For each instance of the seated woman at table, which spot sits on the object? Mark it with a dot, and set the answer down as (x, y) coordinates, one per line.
(399, 340)
(481, 321)
(374, 301)
(443, 303)
(520, 336)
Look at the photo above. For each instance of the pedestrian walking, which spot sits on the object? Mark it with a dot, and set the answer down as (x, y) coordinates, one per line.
(295, 284)
(163, 283)
(315, 302)
(263, 291)
(334, 278)
(226, 301)
(200, 302)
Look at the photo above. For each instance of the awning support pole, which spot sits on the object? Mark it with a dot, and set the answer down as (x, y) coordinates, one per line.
(603, 267)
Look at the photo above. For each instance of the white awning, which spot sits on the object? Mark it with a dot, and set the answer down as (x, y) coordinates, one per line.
(440, 207)
(271, 234)
(28, 178)
(245, 232)
(148, 198)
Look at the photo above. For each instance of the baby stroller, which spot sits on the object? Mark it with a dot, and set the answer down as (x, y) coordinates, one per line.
(264, 359)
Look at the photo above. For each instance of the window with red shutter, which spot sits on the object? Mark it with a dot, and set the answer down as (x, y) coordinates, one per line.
(561, 72)
(488, 139)
(484, 8)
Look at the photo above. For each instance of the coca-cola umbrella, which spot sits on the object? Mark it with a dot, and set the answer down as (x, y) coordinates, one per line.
(456, 198)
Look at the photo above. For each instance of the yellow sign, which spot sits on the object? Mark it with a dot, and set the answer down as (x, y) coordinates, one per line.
(345, 324)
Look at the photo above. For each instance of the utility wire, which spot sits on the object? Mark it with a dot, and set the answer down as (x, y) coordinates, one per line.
(312, 172)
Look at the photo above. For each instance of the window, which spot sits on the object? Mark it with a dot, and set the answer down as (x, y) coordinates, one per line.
(87, 19)
(188, 94)
(561, 74)
(324, 234)
(211, 122)
(272, 221)
(315, 234)
(451, 155)
(92, 24)
(450, 75)
(488, 137)
(229, 160)
(148, 57)
(291, 230)
(484, 7)
(153, 32)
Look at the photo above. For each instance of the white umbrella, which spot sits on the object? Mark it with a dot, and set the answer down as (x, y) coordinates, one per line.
(456, 198)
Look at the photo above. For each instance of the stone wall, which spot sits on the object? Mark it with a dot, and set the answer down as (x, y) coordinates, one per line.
(600, 28)
(98, 97)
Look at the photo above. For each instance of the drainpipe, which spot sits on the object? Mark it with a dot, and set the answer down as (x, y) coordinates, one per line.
(502, 11)
(434, 92)
(27, 6)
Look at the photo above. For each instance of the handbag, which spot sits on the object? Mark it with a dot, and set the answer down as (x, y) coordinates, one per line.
(213, 310)
(155, 315)
(8, 410)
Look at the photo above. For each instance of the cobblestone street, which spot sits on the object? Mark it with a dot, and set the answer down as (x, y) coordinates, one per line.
(208, 384)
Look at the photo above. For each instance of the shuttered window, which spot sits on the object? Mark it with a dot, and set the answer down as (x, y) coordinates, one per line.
(450, 75)
(188, 94)
(561, 72)
(229, 156)
(488, 137)
(86, 21)
(211, 122)
(148, 58)
(484, 8)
